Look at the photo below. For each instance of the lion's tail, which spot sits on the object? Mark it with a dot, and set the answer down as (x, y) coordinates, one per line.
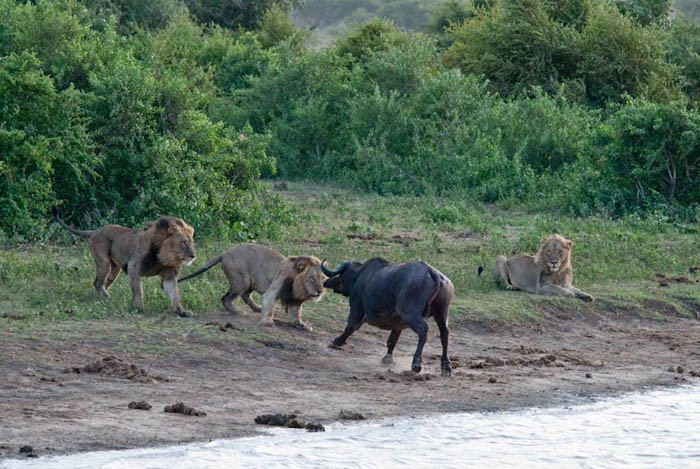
(75, 231)
(211, 264)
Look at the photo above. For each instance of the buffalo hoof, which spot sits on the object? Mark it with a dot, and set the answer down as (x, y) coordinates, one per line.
(446, 373)
(388, 359)
(416, 367)
(335, 346)
(184, 314)
(303, 326)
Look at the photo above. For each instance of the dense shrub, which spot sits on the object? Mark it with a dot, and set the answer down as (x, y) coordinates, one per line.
(653, 151)
(44, 149)
(302, 101)
(117, 128)
(119, 113)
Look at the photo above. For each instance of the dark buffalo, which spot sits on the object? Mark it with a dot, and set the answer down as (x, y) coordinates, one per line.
(394, 297)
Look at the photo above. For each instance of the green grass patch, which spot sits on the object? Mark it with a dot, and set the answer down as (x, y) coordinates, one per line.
(615, 260)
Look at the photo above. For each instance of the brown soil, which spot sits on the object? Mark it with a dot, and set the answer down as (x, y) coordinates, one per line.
(65, 396)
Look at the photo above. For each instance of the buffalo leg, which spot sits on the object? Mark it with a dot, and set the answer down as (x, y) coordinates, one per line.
(445, 365)
(355, 321)
(420, 327)
(390, 344)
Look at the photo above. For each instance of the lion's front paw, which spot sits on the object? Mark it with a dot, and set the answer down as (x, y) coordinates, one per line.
(303, 326)
(184, 314)
(587, 298)
(266, 323)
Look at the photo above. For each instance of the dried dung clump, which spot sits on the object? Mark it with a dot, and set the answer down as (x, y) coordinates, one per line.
(289, 421)
(116, 367)
(140, 405)
(181, 408)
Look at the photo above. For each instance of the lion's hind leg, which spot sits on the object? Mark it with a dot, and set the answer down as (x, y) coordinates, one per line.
(114, 272)
(103, 271)
(249, 301)
(227, 301)
(500, 275)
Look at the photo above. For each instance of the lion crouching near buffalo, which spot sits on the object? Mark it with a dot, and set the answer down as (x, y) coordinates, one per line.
(548, 272)
(252, 267)
(161, 248)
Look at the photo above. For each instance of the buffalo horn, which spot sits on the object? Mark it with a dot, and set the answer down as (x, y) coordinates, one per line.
(338, 270)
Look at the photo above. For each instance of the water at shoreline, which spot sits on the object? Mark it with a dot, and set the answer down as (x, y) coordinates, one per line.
(652, 429)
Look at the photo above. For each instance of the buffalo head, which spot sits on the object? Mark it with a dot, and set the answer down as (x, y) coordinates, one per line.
(337, 280)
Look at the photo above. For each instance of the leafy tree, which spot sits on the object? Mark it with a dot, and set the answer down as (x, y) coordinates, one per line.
(619, 58)
(60, 34)
(373, 36)
(447, 15)
(654, 152)
(276, 26)
(646, 12)
(133, 15)
(301, 101)
(683, 48)
(236, 14)
(515, 48)
(44, 150)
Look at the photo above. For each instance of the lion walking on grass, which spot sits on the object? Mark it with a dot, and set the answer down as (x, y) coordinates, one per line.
(161, 248)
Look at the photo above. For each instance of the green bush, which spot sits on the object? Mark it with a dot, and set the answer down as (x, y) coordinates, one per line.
(653, 151)
(619, 59)
(516, 48)
(301, 101)
(44, 148)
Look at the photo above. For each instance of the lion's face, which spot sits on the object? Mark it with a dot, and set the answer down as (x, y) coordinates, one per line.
(554, 253)
(177, 246)
(308, 282)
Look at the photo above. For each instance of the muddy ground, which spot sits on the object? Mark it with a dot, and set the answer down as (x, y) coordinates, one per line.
(73, 394)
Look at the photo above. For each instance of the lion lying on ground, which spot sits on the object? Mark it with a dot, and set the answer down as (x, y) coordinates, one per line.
(251, 267)
(161, 248)
(548, 272)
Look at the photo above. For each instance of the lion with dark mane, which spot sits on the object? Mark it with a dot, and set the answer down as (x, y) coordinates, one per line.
(161, 248)
(252, 267)
(548, 272)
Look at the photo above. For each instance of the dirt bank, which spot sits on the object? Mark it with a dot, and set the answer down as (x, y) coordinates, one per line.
(68, 390)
